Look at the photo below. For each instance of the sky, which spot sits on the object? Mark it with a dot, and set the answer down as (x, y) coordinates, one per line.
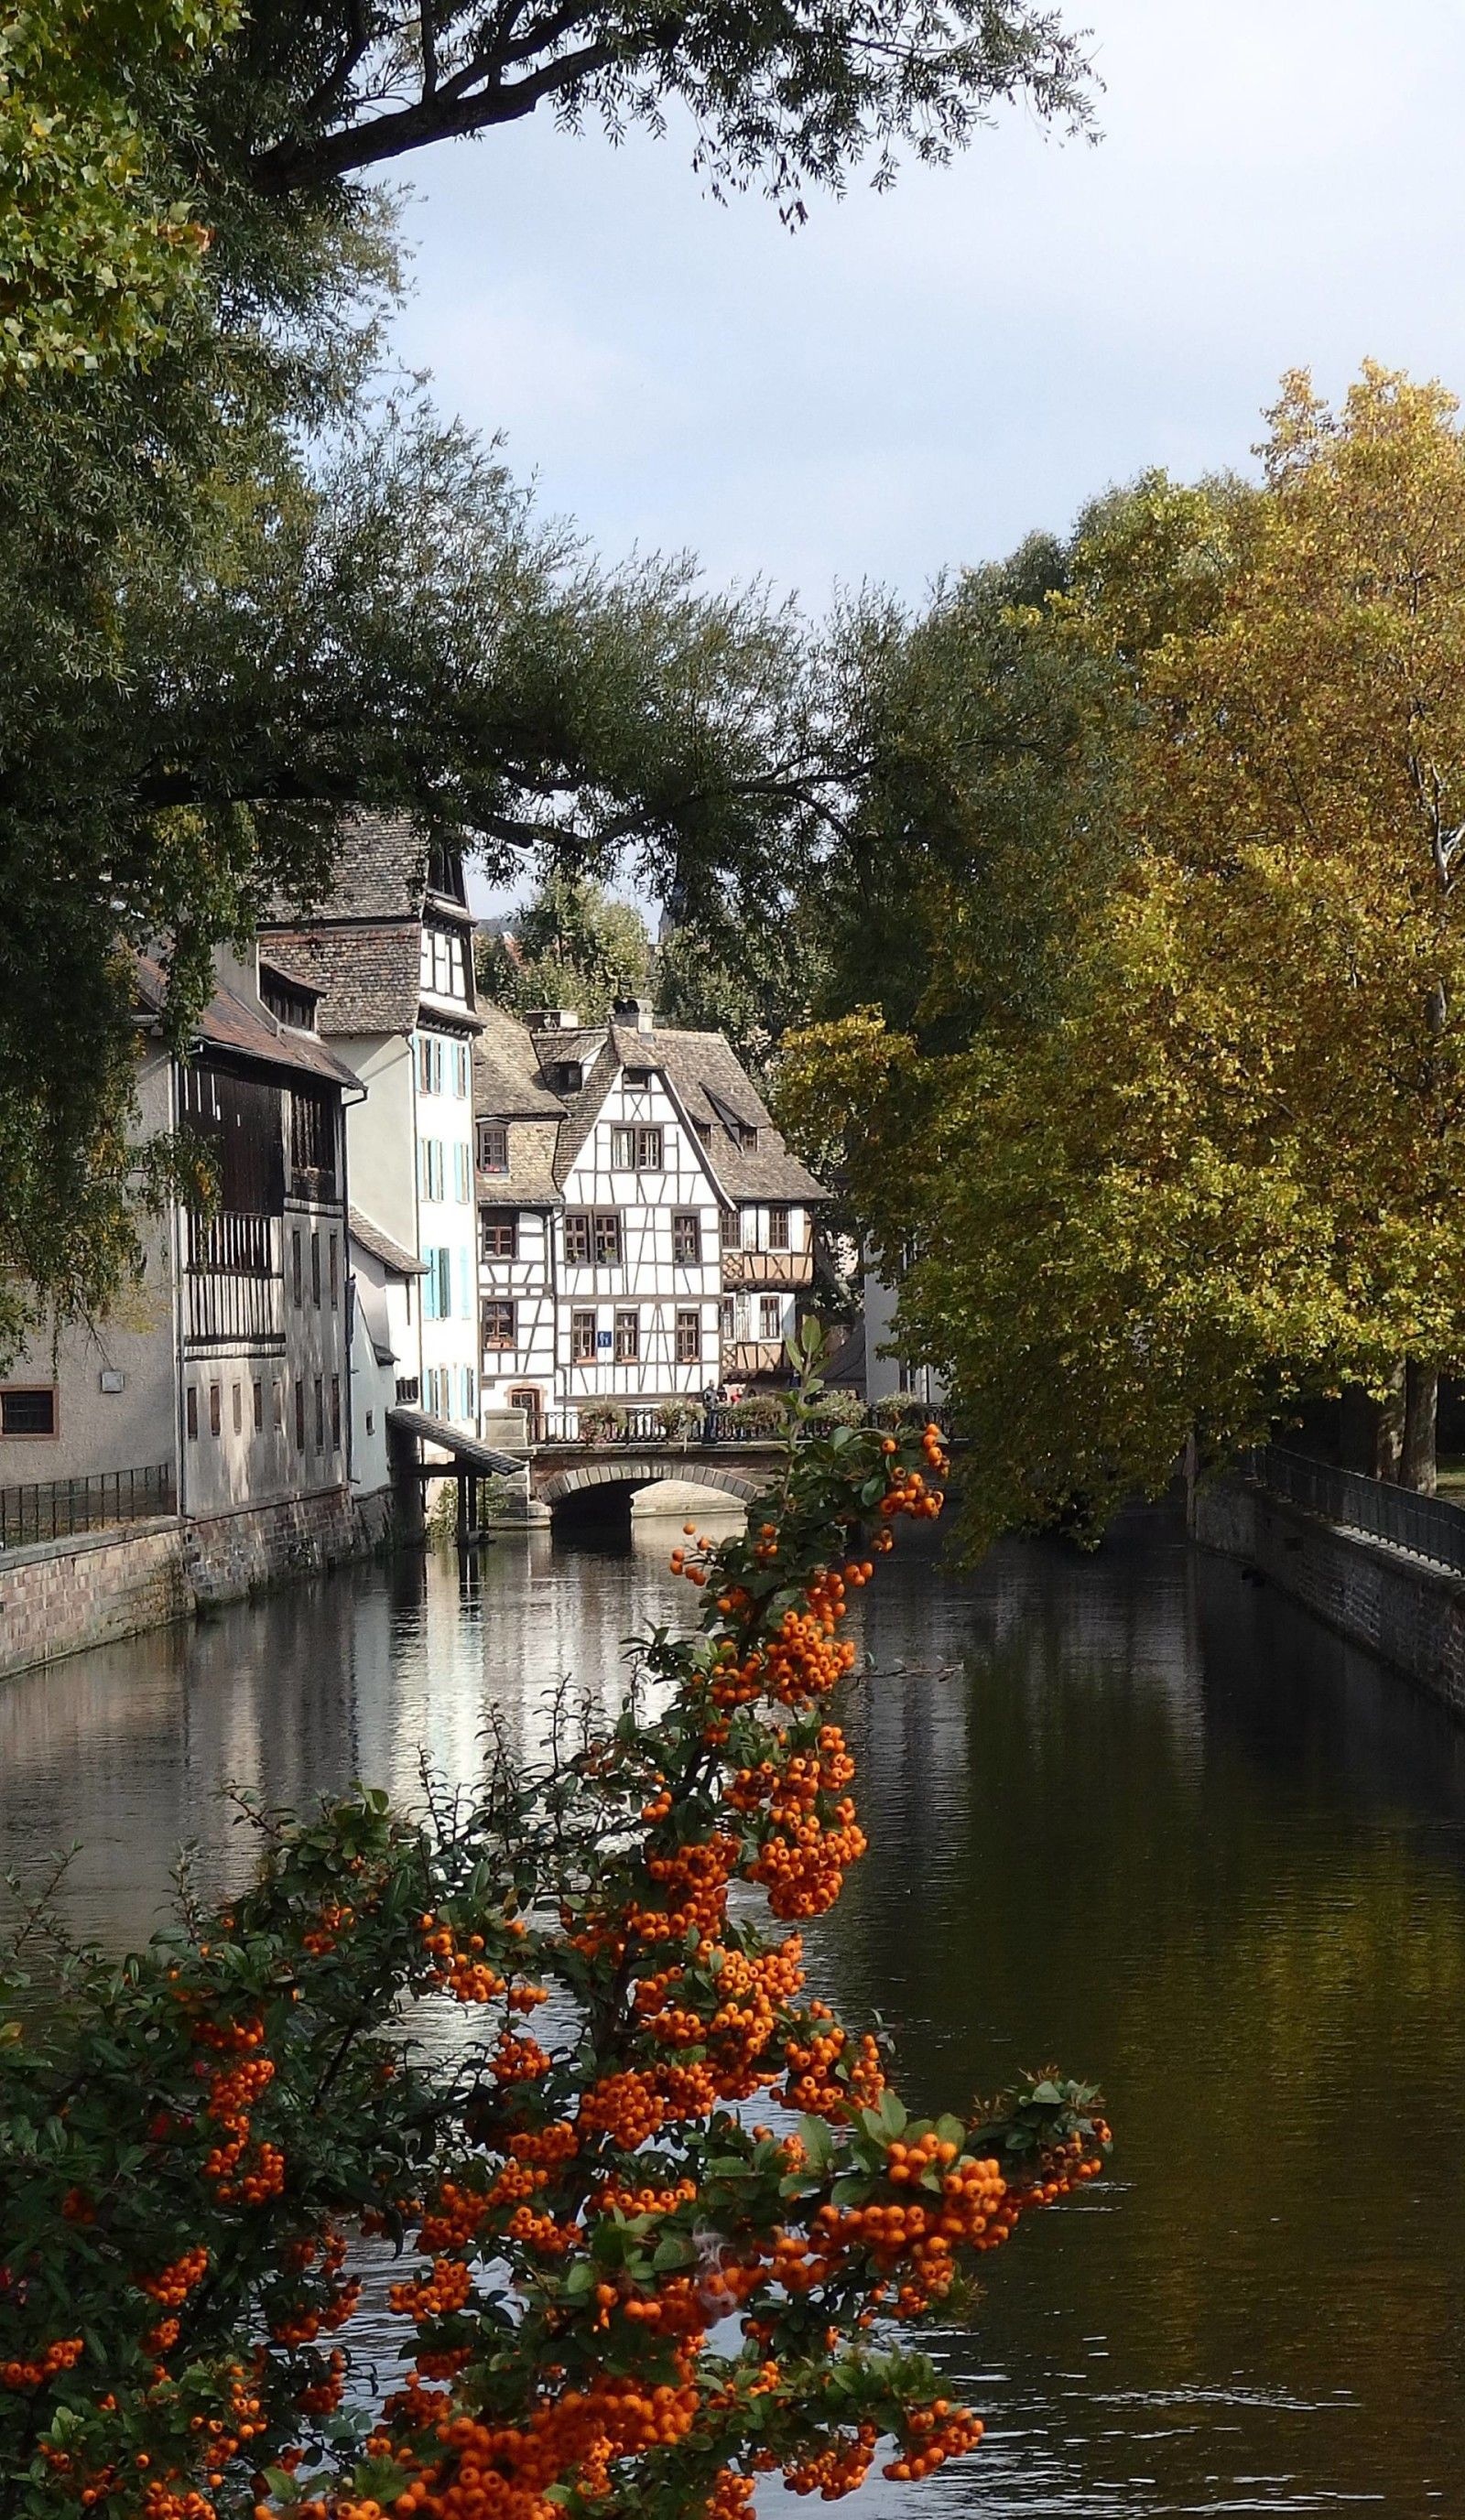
(915, 379)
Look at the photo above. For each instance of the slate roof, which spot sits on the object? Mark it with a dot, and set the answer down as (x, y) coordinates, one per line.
(701, 1068)
(380, 872)
(375, 1239)
(232, 1026)
(368, 974)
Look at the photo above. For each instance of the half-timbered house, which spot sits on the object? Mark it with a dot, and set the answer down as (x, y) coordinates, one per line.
(644, 1232)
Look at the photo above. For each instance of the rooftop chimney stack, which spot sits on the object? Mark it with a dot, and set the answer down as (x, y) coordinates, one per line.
(635, 1010)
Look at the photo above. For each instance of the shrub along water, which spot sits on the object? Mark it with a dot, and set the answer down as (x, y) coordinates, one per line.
(628, 2295)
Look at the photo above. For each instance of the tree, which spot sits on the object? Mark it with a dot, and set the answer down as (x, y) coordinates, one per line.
(573, 946)
(629, 2296)
(1221, 1178)
(217, 631)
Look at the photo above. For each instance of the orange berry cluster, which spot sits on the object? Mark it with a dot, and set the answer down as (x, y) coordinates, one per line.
(934, 2434)
(34, 2373)
(171, 2285)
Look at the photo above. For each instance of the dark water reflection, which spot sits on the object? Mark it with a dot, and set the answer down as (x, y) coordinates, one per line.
(1151, 1820)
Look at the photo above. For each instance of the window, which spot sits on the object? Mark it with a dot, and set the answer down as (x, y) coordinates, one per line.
(460, 1070)
(469, 1391)
(703, 1129)
(299, 1416)
(28, 1412)
(215, 1409)
(371, 1422)
(313, 1139)
(335, 1275)
(583, 1337)
(686, 1239)
(441, 967)
(567, 1076)
(315, 1271)
(334, 1412)
(636, 1150)
(732, 1229)
(438, 1305)
(258, 1407)
(627, 1338)
(778, 1229)
(294, 1265)
(638, 1076)
(593, 1235)
(193, 1413)
(430, 1158)
(727, 1321)
(769, 1317)
(279, 1408)
(295, 1007)
(320, 1412)
(689, 1338)
(747, 1138)
(498, 1326)
(493, 1147)
(428, 1063)
(499, 1237)
(463, 1174)
(237, 1398)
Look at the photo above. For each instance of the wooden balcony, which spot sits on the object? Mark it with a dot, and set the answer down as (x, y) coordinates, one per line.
(234, 1282)
(769, 1268)
(742, 1357)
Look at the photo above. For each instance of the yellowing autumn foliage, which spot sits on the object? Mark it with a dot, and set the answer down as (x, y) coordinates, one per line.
(1230, 1171)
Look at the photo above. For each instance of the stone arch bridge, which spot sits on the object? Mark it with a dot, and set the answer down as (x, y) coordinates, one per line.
(561, 1472)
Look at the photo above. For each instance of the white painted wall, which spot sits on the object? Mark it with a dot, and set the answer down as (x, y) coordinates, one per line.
(888, 1374)
(525, 1282)
(448, 1221)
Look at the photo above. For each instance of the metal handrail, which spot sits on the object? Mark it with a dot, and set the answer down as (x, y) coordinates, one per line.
(59, 1509)
(1424, 1526)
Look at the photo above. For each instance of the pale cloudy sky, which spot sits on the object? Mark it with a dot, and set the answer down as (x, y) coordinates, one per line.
(916, 378)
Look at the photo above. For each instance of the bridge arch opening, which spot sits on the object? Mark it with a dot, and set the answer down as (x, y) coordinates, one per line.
(648, 1492)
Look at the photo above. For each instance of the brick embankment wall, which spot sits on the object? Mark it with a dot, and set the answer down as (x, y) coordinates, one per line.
(59, 1597)
(1409, 1614)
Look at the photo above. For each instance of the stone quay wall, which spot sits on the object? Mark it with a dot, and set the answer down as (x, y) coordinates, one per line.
(1410, 1614)
(61, 1597)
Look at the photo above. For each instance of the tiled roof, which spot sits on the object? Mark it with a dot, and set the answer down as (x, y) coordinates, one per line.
(529, 1181)
(506, 1083)
(368, 974)
(705, 1074)
(380, 1244)
(378, 871)
(229, 1023)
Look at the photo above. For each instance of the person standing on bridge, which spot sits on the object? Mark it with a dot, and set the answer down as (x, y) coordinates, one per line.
(711, 1397)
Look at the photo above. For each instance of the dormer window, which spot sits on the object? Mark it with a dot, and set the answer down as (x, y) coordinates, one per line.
(638, 1076)
(567, 1076)
(446, 871)
(287, 1006)
(747, 1138)
(493, 1147)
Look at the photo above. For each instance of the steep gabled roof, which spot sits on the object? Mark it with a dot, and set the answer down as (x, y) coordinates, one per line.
(506, 1080)
(716, 1092)
(368, 976)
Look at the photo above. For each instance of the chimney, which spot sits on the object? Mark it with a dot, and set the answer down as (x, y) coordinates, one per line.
(553, 1020)
(635, 1010)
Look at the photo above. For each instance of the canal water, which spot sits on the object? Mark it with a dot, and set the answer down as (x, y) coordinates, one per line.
(1130, 1814)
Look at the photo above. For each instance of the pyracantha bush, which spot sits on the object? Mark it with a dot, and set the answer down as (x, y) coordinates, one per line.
(621, 2292)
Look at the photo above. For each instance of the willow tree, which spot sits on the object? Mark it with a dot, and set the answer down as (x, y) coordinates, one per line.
(1218, 1170)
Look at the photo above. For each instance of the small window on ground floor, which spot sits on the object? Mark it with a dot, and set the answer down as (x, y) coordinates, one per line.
(28, 1410)
(627, 1338)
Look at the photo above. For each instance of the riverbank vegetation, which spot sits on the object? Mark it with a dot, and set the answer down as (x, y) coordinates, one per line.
(528, 2037)
(1148, 1079)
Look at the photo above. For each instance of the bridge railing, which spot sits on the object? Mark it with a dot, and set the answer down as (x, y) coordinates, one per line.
(1427, 1527)
(634, 1428)
(57, 1508)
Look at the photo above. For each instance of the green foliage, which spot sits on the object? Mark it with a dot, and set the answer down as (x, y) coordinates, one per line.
(626, 2295)
(574, 946)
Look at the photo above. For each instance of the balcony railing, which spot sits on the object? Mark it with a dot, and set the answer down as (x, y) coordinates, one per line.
(56, 1508)
(766, 1268)
(234, 1282)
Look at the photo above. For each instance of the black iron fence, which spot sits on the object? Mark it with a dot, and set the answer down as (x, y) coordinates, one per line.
(54, 1508)
(750, 1422)
(1425, 1526)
